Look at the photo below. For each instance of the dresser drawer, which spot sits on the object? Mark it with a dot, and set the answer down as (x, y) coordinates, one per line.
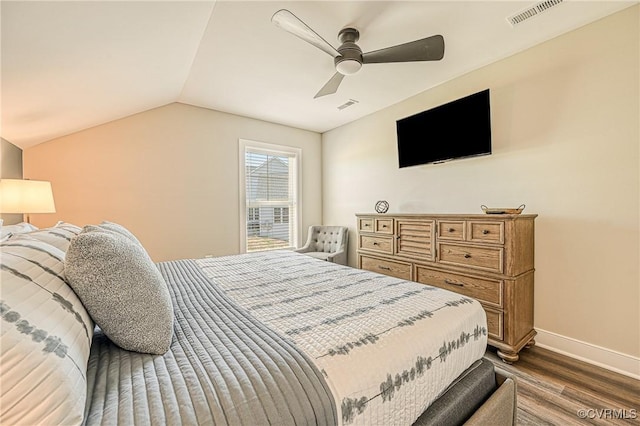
(415, 238)
(384, 226)
(365, 224)
(483, 258)
(387, 267)
(485, 290)
(485, 232)
(495, 325)
(451, 230)
(376, 243)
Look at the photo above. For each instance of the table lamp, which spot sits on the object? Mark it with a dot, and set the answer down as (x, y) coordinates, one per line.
(26, 196)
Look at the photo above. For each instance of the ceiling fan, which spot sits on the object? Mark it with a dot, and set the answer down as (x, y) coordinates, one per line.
(348, 58)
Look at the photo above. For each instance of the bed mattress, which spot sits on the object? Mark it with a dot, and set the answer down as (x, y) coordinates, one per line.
(283, 338)
(386, 347)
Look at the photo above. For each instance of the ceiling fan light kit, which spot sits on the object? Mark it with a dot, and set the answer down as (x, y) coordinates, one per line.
(348, 57)
(348, 66)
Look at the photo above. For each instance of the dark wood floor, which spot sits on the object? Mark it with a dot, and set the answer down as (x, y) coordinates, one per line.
(555, 390)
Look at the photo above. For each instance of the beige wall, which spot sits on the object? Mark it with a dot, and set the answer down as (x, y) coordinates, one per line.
(169, 174)
(565, 122)
(10, 168)
(566, 143)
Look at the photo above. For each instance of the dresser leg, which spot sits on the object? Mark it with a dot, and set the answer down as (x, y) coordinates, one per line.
(508, 358)
(531, 343)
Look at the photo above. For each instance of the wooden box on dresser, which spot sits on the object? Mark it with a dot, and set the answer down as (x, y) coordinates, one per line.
(487, 257)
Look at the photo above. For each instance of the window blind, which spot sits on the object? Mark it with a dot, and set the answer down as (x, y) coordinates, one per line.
(270, 199)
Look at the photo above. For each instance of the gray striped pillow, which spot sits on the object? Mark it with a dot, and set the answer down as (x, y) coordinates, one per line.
(7, 231)
(46, 337)
(58, 236)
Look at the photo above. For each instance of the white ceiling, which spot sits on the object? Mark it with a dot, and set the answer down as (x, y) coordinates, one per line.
(71, 65)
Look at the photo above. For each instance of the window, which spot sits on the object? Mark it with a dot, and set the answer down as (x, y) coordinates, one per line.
(281, 214)
(269, 196)
(253, 221)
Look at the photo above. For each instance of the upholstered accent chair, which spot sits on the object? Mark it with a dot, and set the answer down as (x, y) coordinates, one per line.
(327, 243)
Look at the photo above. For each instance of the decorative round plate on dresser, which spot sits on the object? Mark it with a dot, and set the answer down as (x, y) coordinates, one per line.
(382, 206)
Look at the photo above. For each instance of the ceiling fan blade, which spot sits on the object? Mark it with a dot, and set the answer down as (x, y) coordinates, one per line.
(331, 86)
(292, 24)
(426, 49)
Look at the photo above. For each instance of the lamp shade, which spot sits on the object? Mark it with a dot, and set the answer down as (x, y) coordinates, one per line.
(26, 196)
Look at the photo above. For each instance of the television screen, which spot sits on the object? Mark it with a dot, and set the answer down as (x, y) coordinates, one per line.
(458, 129)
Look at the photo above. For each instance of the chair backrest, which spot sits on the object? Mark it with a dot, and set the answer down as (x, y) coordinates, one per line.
(328, 239)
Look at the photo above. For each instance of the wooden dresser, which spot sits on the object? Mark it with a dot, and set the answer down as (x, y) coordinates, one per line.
(487, 257)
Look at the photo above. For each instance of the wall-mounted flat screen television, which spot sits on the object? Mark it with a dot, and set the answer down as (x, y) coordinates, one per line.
(458, 129)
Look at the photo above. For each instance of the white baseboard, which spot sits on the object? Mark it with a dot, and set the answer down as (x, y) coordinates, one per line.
(602, 357)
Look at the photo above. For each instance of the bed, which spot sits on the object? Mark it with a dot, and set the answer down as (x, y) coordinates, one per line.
(263, 338)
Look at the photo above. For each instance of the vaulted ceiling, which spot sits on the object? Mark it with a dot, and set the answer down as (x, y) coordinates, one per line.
(71, 65)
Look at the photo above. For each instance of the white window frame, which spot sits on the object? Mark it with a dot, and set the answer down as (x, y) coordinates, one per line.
(297, 186)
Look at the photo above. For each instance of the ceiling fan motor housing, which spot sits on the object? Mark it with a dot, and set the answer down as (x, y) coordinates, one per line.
(350, 59)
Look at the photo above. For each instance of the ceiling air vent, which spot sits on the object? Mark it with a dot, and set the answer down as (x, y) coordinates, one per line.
(347, 104)
(532, 11)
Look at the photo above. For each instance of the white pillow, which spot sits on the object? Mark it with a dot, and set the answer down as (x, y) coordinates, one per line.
(20, 228)
(46, 337)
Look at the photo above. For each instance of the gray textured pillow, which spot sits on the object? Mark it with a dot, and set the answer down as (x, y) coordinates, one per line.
(122, 289)
(120, 230)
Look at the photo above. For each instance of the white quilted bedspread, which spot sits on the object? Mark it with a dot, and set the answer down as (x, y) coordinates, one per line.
(387, 347)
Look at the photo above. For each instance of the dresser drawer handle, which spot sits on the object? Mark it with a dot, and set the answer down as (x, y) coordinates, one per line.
(451, 230)
(485, 231)
(385, 268)
(376, 243)
(448, 281)
(366, 224)
(467, 256)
